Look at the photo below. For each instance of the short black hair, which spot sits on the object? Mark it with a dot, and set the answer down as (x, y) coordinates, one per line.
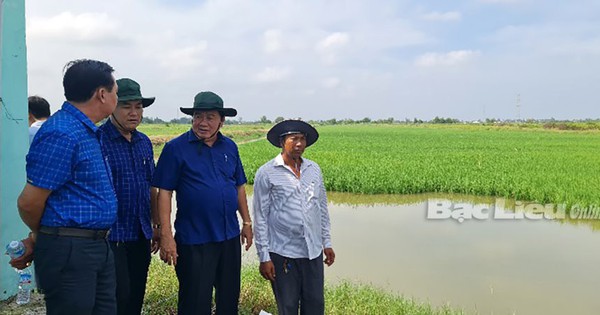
(38, 107)
(84, 76)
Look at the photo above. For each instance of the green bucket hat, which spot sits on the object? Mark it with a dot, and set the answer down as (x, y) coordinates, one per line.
(129, 90)
(208, 101)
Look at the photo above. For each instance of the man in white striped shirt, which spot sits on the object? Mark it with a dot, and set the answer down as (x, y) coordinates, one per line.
(291, 221)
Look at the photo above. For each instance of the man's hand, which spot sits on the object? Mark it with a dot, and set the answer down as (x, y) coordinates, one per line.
(168, 249)
(329, 256)
(155, 242)
(246, 236)
(25, 260)
(267, 270)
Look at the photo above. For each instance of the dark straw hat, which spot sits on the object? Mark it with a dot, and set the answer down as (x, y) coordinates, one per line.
(288, 127)
(129, 90)
(208, 101)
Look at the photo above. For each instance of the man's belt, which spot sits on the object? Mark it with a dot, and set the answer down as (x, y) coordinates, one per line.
(74, 232)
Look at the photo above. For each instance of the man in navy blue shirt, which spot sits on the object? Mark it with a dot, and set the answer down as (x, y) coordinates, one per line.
(69, 202)
(204, 168)
(131, 161)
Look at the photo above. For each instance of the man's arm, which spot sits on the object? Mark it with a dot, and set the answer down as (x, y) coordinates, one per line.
(168, 247)
(31, 205)
(246, 234)
(325, 225)
(154, 217)
(24, 260)
(261, 205)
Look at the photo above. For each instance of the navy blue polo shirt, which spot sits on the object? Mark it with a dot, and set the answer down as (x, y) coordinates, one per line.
(205, 180)
(66, 158)
(132, 166)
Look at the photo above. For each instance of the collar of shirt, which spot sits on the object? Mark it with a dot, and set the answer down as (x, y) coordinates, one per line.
(38, 123)
(113, 133)
(278, 161)
(191, 137)
(68, 107)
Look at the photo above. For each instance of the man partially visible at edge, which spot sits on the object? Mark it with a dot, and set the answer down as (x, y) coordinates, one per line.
(292, 227)
(39, 111)
(205, 170)
(69, 202)
(131, 161)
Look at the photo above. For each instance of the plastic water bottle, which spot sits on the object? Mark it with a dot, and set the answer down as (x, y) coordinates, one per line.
(16, 249)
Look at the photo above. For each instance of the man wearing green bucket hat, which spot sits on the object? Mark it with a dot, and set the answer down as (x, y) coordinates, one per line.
(135, 233)
(205, 170)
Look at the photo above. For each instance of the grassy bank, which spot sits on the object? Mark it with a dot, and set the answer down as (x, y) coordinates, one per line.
(256, 294)
(344, 298)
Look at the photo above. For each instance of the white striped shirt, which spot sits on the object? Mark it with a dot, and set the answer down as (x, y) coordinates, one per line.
(290, 213)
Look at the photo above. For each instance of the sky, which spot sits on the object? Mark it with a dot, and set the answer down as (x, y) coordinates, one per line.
(309, 59)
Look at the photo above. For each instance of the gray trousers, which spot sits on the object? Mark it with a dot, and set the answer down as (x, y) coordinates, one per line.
(298, 284)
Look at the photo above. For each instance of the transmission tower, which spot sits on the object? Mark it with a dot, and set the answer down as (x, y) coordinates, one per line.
(518, 107)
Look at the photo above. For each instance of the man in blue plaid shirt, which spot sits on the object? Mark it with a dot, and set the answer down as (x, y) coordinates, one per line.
(135, 233)
(69, 202)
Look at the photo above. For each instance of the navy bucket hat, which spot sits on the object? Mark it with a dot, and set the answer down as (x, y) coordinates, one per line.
(288, 127)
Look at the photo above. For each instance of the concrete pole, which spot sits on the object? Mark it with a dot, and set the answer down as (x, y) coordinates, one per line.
(13, 132)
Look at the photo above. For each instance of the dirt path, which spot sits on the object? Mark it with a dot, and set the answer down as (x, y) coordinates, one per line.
(250, 141)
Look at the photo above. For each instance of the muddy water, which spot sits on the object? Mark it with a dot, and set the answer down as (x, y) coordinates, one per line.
(484, 266)
(488, 266)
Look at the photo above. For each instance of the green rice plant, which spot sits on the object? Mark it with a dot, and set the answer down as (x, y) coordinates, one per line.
(537, 165)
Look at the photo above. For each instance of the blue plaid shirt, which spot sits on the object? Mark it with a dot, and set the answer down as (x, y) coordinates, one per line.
(66, 158)
(132, 166)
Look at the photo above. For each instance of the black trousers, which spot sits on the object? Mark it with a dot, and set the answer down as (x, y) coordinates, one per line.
(299, 283)
(132, 260)
(202, 267)
(77, 275)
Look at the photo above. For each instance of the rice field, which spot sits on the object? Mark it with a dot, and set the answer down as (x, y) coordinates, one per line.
(523, 163)
(160, 134)
(545, 166)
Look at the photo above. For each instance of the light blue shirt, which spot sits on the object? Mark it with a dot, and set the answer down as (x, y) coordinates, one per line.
(33, 129)
(290, 213)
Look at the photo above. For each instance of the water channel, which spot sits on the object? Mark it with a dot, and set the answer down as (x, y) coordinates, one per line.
(489, 266)
(483, 266)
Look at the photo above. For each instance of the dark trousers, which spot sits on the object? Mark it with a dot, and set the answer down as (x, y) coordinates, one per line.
(298, 284)
(77, 275)
(132, 260)
(202, 267)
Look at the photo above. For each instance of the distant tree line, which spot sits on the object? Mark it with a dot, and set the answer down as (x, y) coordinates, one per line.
(545, 123)
(156, 120)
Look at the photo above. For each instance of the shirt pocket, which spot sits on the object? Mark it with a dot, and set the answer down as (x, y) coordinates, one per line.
(312, 193)
(226, 164)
